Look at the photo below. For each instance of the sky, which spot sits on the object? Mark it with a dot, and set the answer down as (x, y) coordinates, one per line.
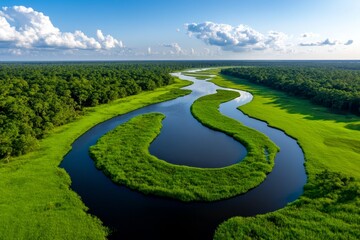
(179, 29)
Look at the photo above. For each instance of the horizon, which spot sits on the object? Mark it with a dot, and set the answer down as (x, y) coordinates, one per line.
(202, 30)
(180, 60)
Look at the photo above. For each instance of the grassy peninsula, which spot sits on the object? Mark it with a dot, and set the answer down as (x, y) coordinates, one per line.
(123, 155)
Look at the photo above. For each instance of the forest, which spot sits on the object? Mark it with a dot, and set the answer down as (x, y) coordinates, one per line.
(337, 88)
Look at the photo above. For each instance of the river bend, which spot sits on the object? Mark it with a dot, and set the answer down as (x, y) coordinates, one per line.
(133, 215)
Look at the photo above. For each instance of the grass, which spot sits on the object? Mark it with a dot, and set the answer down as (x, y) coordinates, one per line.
(197, 75)
(123, 155)
(330, 205)
(36, 201)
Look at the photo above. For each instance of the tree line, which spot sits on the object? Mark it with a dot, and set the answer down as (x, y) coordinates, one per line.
(333, 87)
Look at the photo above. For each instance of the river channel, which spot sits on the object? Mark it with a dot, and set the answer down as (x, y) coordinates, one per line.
(184, 141)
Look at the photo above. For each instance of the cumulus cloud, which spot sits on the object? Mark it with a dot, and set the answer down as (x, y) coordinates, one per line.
(108, 41)
(243, 38)
(175, 48)
(25, 28)
(276, 40)
(237, 39)
(326, 42)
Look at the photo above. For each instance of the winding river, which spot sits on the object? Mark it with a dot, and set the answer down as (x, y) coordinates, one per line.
(183, 140)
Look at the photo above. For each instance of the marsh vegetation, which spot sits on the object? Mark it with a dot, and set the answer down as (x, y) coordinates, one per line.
(123, 155)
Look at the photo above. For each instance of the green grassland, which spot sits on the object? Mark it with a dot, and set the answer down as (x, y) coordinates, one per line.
(36, 201)
(330, 205)
(123, 155)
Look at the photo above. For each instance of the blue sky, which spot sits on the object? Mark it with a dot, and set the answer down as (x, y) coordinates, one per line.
(139, 29)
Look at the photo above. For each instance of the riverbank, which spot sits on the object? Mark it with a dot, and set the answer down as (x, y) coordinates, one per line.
(329, 207)
(36, 201)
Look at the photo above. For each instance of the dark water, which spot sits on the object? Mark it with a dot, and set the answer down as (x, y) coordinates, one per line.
(132, 215)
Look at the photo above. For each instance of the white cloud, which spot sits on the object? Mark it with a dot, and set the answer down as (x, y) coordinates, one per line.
(277, 40)
(175, 48)
(326, 42)
(237, 39)
(243, 38)
(7, 33)
(25, 28)
(149, 50)
(108, 42)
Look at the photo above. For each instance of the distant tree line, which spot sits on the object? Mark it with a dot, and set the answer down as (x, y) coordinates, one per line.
(335, 87)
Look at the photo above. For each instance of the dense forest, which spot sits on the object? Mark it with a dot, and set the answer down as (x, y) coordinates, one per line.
(335, 87)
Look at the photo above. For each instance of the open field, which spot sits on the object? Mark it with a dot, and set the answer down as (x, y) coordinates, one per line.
(36, 201)
(330, 205)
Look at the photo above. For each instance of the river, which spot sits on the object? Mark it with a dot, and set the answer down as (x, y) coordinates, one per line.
(133, 215)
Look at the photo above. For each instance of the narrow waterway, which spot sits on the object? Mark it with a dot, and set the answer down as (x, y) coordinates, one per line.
(133, 215)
